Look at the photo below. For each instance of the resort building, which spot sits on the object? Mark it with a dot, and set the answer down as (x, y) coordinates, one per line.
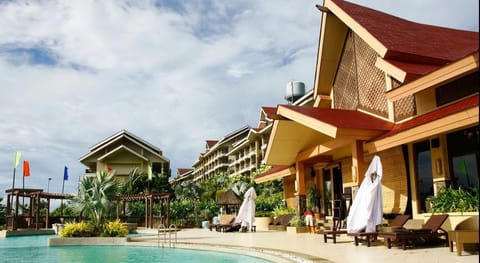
(123, 152)
(183, 174)
(215, 159)
(385, 86)
(246, 155)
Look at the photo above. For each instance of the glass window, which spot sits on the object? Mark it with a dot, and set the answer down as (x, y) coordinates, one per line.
(327, 186)
(423, 171)
(463, 156)
(465, 173)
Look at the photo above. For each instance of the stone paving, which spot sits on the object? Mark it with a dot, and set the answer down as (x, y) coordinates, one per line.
(280, 246)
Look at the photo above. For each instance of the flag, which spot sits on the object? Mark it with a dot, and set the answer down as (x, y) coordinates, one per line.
(65, 173)
(17, 159)
(26, 168)
(149, 172)
(463, 167)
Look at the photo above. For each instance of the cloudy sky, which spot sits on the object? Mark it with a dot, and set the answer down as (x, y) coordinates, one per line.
(175, 73)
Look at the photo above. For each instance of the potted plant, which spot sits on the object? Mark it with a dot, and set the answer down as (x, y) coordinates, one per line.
(313, 203)
(460, 204)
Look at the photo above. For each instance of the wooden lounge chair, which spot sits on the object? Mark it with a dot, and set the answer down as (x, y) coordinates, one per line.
(280, 223)
(226, 221)
(430, 231)
(396, 224)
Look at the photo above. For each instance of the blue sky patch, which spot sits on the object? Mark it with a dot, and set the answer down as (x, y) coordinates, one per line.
(36, 55)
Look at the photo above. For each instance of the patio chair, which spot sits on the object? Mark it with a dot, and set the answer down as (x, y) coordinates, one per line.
(396, 224)
(226, 221)
(280, 223)
(430, 231)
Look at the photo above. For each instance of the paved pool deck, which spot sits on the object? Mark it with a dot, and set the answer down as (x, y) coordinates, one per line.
(305, 247)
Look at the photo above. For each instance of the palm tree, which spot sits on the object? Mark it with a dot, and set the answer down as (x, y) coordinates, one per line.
(96, 196)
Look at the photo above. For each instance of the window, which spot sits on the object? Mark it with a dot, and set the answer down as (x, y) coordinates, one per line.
(423, 171)
(463, 155)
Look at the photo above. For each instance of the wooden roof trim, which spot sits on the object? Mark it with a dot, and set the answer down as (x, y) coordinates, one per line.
(325, 128)
(124, 148)
(445, 124)
(374, 43)
(438, 77)
(391, 69)
(274, 173)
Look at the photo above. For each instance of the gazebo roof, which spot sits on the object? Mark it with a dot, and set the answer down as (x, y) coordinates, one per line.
(229, 198)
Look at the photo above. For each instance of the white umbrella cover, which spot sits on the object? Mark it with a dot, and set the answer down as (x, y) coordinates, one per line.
(366, 211)
(246, 213)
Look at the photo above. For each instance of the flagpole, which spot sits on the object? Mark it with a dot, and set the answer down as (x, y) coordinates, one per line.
(65, 177)
(13, 187)
(61, 204)
(23, 196)
(15, 164)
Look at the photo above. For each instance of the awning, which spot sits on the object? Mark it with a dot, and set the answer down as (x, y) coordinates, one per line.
(308, 129)
(275, 172)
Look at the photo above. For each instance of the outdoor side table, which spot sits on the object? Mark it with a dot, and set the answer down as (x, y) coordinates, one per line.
(461, 237)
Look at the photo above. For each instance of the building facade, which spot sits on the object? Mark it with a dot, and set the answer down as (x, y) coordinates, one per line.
(124, 152)
(384, 86)
(215, 159)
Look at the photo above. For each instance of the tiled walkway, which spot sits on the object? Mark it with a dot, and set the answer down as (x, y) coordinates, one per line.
(308, 247)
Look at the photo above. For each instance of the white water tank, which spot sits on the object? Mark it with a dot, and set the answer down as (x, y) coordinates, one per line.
(294, 91)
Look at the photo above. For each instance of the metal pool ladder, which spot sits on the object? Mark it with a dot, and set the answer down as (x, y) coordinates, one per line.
(167, 235)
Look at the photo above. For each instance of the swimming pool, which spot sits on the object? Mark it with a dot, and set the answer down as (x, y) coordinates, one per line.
(35, 249)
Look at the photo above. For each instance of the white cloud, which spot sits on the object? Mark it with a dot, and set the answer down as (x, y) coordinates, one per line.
(173, 75)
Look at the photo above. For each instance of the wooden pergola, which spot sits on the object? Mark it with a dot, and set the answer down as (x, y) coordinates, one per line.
(15, 221)
(149, 199)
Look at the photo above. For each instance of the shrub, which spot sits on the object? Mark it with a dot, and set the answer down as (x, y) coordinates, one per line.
(77, 230)
(268, 203)
(297, 221)
(263, 213)
(453, 200)
(114, 229)
(280, 211)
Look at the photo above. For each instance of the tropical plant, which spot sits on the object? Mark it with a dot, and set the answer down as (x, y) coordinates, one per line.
(280, 211)
(96, 197)
(313, 200)
(240, 187)
(297, 221)
(455, 200)
(65, 209)
(114, 229)
(266, 204)
(79, 229)
(133, 184)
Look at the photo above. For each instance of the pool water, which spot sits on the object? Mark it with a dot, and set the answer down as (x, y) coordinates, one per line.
(36, 249)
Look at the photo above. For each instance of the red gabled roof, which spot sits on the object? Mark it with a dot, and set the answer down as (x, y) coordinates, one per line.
(270, 112)
(410, 41)
(348, 119)
(415, 48)
(455, 107)
(181, 171)
(211, 143)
